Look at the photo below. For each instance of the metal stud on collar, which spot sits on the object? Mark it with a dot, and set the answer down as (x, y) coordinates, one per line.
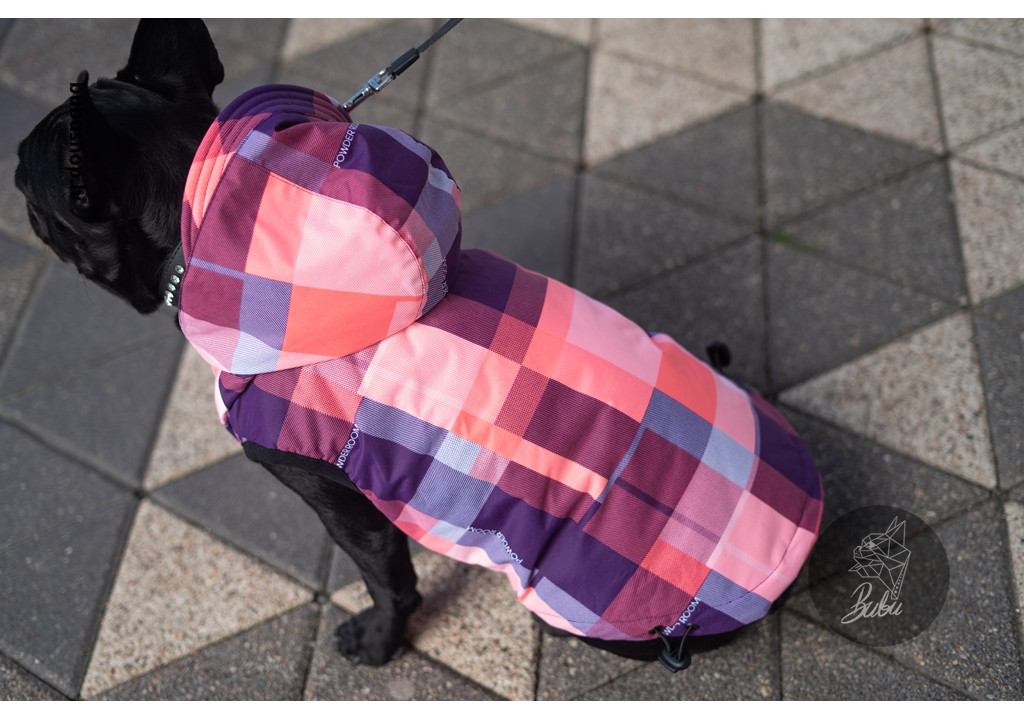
(173, 272)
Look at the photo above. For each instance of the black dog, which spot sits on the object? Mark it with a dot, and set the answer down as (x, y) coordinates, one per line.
(726, 491)
(102, 177)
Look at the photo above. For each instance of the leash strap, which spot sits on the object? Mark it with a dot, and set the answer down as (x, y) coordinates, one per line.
(377, 83)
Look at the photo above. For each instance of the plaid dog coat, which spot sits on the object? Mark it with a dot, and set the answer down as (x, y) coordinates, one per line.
(493, 414)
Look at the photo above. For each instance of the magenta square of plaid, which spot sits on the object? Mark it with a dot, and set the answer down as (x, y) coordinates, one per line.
(581, 428)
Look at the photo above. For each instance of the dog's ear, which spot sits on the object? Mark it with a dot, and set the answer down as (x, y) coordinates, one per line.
(92, 142)
(173, 52)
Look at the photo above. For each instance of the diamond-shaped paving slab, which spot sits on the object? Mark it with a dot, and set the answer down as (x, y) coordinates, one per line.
(19, 269)
(72, 323)
(52, 588)
(268, 662)
(470, 621)
(1000, 325)
(628, 235)
(482, 54)
(822, 313)
(240, 501)
(719, 50)
(921, 395)
(904, 231)
(712, 166)
(408, 677)
(1005, 33)
(1003, 150)
(971, 645)
(990, 209)
(579, 30)
(1015, 533)
(654, 95)
(307, 35)
(489, 170)
(105, 413)
(746, 668)
(808, 162)
(191, 436)
(17, 684)
(569, 667)
(817, 664)
(533, 229)
(981, 90)
(518, 109)
(890, 93)
(178, 590)
(793, 48)
(20, 116)
(858, 473)
(42, 57)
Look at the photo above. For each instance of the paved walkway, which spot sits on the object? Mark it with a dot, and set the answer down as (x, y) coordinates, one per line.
(841, 202)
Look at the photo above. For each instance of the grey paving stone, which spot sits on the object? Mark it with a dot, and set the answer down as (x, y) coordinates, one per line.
(808, 162)
(107, 413)
(904, 231)
(746, 668)
(489, 170)
(43, 490)
(42, 57)
(268, 662)
(72, 323)
(711, 166)
(972, 644)
(246, 44)
(510, 83)
(817, 664)
(859, 473)
(17, 684)
(540, 109)
(628, 234)
(19, 269)
(343, 571)
(1000, 330)
(533, 229)
(243, 503)
(341, 69)
(718, 299)
(1007, 33)
(480, 54)
(20, 116)
(52, 590)
(568, 668)
(822, 313)
(409, 677)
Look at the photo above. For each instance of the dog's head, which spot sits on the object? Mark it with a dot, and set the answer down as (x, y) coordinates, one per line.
(103, 174)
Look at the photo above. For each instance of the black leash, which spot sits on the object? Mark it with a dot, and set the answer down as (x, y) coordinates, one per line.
(375, 84)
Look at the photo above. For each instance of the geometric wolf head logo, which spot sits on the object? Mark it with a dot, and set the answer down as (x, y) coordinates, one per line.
(884, 556)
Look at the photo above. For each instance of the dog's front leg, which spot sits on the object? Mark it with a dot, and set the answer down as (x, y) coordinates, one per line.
(379, 549)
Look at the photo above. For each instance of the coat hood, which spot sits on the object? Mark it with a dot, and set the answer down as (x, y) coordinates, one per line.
(309, 237)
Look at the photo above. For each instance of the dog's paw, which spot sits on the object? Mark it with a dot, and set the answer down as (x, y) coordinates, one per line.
(370, 638)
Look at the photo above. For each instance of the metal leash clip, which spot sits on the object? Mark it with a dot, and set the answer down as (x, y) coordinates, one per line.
(379, 81)
(373, 86)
